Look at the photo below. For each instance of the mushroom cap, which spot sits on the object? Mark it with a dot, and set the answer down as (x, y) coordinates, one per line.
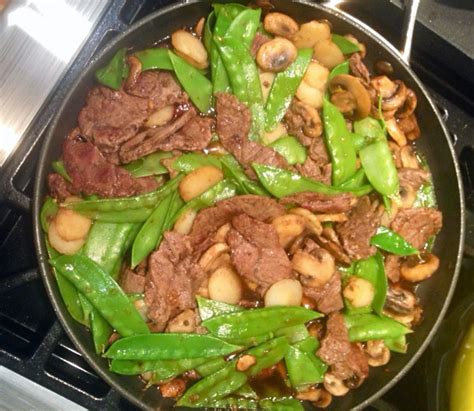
(354, 86)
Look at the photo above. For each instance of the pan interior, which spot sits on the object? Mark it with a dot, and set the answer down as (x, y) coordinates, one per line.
(434, 145)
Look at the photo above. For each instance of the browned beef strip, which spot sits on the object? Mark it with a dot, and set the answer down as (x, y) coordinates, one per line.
(311, 169)
(132, 282)
(92, 174)
(346, 360)
(58, 187)
(318, 152)
(111, 117)
(258, 41)
(322, 203)
(328, 298)
(233, 126)
(210, 219)
(417, 225)
(172, 280)
(256, 252)
(329, 241)
(355, 233)
(358, 68)
(412, 178)
(392, 267)
(159, 88)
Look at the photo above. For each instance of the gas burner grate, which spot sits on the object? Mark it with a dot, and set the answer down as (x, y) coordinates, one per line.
(32, 341)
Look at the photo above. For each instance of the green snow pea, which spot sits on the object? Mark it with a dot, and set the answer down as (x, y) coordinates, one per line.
(207, 35)
(397, 344)
(154, 59)
(151, 232)
(211, 308)
(245, 25)
(294, 334)
(339, 144)
(234, 172)
(369, 128)
(113, 73)
(70, 298)
(198, 87)
(106, 244)
(356, 181)
(249, 323)
(232, 403)
(358, 141)
(101, 331)
(190, 161)
(392, 242)
(301, 369)
(346, 46)
(138, 215)
(365, 327)
(103, 293)
(149, 165)
(162, 369)
(425, 196)
(169, 346)
(372, 270)
(58, 167)
(342, 68)
(211, 366)
(284, 88)
(48, 211)
(246, 391)
(285, 404)
(222, 190)
(141, 201)
(280, 183)
(290, 148)
(267, 354)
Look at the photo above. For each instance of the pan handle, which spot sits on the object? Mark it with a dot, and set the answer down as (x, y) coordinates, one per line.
(409, 20)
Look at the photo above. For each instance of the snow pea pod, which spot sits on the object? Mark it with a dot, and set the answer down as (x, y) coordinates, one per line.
(284, 88)
(280, 183)
(162, 369)
(346, 46)
(211, 366)
(290, 148)
(211, 308)
(101, 331)
(151, 232)
(232, 403)
(190, 161)
(113, 73)
(141, 201)
(339, 144)
(365, 327)
(294, 334)
(392, 242)
(397, 344)
(198, 86)
(103, 293)
(342, 68)
(302, 371)
(267, 354)
(149, 165)
(425, 196)
(154, 59)
(285, 404)
(70, 298)
(249, 323)
(234, 172)
(58, 167)
(138, 215)
(372, 270)
(169, 346)
(356, 181)
(245, 25)
(48, 211)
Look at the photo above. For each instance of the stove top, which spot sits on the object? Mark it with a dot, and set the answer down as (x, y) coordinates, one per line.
(32, 342)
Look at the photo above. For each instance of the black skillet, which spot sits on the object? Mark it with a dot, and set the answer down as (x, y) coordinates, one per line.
(435, 145)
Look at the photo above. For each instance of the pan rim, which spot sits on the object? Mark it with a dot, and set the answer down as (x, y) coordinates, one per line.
(42, 168)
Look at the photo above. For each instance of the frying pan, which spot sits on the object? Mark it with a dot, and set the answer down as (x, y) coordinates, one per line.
(435, 146)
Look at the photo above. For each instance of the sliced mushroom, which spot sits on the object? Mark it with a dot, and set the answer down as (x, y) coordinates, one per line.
(212, 253)
(276, 55)
(400, 301)
(335, 218)
(377, 353)
(310, 394)
(190, 48)
(395, 132)
(354, 86)
(280, 24)
(310, 96)
(415, 270)
(410, 105)
(328, 54)
(334, 385)
(408, 158)
(286, 292)
(397, 99)
(311, 221)
(384, 87)
(183, 323)
(160, 117)
(135, 66)
(311, 33)
(359, 292)
(324, 400)
(221, 233)
(316, 270)
(409, 125)
(312, 121)
(395, 149)
(288, 227)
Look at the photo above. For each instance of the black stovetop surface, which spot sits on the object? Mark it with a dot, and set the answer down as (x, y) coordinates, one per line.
(32, 342)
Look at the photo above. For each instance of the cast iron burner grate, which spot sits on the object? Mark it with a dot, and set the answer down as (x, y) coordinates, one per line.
(32, 342)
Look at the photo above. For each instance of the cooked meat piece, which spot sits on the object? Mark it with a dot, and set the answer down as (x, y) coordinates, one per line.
(328, 298)
(256, 252)
(92, 174)
(111, 117)
(58, 187)
(329, 241)
(150, 140)
(392, 267)
(318, 152)
(359, 69)
(412, 178)
(132, 282)
(258, 41)
(172, 279)
(233, 126)
(417, 225)
(312, 170)
(210, 219)
(322, 203)
(159, 88)
(337, 351)
(355, 233)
